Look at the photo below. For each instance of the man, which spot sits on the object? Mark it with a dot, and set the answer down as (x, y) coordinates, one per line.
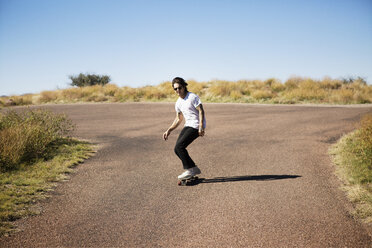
(190, 108)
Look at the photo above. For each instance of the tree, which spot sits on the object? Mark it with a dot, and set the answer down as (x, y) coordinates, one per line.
(89, 79)
(351, 80)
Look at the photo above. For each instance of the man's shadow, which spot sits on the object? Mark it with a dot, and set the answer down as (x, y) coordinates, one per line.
(241, 178)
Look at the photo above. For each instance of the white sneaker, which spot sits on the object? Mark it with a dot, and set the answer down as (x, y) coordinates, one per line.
(187, 174)
(196, 170)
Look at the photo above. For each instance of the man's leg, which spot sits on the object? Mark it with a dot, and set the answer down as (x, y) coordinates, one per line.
(187, 135)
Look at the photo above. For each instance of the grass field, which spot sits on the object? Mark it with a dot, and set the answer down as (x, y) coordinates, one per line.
(294, 90)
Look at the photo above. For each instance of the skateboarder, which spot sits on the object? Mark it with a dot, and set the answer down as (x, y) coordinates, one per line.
(190, 108)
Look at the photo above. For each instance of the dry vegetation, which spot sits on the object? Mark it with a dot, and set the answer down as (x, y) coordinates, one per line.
(34, 153)
(353, 157)
(294, 90)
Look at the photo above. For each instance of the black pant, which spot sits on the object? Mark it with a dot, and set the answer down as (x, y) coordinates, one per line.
(187, 135)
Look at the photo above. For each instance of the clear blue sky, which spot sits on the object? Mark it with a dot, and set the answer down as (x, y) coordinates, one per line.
(141, 42)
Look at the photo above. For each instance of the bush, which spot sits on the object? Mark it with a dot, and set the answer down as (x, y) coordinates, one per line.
(293, 82)
(127, 94)
(262, 94)
(72, 94)
(220, 89)
(364, 149)
(356, 154)
(48, 96)
(307, 90)
(110, 89)
(26, 136)
(89, 79)
(353, 157)
(195, 87)
(331, 84)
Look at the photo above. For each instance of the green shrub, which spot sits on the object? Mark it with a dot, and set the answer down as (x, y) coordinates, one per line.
(353, 157)
(89, 79)
(363, 150)
(355, 154)
(26, 135)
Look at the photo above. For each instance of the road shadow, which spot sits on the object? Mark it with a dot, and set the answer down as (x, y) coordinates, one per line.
(241, 178)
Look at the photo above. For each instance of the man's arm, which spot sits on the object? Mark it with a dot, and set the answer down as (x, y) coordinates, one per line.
(201, 119)
(175, 124)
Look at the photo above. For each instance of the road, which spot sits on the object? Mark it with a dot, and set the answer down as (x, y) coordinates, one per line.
(268, 181)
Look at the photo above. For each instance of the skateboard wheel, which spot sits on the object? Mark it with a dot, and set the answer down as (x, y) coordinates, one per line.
(182, 182)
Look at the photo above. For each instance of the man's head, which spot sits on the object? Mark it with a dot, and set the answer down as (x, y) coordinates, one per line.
(180, 86)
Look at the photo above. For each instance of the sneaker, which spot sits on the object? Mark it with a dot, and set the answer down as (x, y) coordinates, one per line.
(196, 170)
(187, 174)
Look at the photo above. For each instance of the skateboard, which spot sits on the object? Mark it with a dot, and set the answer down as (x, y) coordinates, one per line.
(188, 181)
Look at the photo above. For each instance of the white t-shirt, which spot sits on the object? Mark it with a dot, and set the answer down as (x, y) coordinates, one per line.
(188, 107)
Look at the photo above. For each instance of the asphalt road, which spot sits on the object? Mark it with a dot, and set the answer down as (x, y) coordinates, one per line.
(268, 181)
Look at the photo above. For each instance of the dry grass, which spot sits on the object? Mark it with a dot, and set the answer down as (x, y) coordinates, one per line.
(307, 90)
(34, 153)
(353, 157)
(294, 90)
(26, 135)
(21, 188)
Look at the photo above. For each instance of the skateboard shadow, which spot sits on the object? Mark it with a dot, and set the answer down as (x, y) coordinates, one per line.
(242, 178)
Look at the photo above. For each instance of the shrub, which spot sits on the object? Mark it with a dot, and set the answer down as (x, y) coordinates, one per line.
(328, 83)
(356, 153)
(127, 94)
(25, 136)
(110, 89)
(342, 96)
(22, 100)
(220, 89)
(307, 90)
(48, 96)
(72, 94)
(365, 148)
(236, 95)
(262, 94)
(89, 91)
(230, 89)
(16, 100)
(258, 85)
(244, 87)
(195, 87)
(277, 87)
(152, 93)
(89, 79)
(166, 87)
(353, 157)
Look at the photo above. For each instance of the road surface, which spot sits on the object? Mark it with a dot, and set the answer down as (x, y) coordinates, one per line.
(268, 181)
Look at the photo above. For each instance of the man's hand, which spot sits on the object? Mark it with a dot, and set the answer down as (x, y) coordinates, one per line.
(201, 132)
(201, 119)
(166, 135)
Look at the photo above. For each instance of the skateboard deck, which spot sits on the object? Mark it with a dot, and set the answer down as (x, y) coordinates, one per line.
(188, 181)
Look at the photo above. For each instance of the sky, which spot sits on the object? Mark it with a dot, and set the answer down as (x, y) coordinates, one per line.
(139, 42)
